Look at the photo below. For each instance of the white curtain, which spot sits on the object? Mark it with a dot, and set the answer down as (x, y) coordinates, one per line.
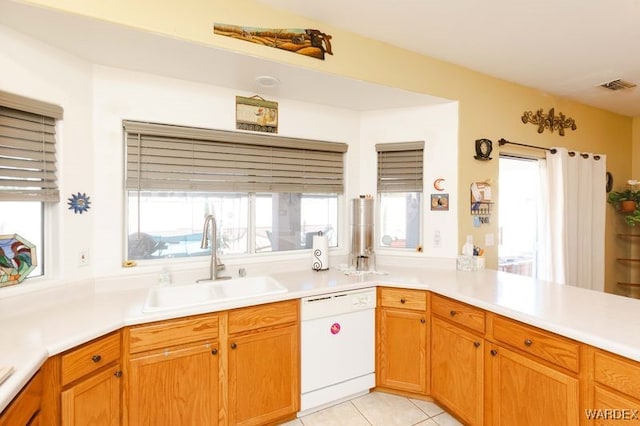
(573, 219)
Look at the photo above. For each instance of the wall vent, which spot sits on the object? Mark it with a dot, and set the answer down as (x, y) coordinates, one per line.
(618, 84)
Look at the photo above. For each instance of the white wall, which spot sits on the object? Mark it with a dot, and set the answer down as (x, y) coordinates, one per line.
(437, 126)
(91, 155)
(33, 69)
(121, 94)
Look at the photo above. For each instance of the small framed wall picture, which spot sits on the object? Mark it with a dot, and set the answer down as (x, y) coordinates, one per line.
(483, 149)
(439, 201)
(256, 114)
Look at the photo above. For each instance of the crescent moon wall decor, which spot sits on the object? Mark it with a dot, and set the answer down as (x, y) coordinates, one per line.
(437, 184)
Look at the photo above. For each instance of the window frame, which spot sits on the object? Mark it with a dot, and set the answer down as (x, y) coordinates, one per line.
(30, 162)
(400, 180)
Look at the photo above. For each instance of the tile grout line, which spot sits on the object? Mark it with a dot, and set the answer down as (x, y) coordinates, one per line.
(429, 416)
(366, 419)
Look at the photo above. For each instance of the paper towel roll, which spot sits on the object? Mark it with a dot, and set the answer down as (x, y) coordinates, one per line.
(320, 258)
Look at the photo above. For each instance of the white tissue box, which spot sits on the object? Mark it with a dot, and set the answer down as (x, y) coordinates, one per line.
(470, 263)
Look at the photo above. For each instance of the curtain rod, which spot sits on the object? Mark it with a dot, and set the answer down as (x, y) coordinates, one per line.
(503, 141)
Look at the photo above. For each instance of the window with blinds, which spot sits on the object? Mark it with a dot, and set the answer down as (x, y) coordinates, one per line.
(27, 172)
(164, 157)
(400, 177)
(28, 149)
(268, 193)
(400, 167)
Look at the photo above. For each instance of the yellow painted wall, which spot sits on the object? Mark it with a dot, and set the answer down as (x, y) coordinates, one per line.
(635, 165)
(488, 107)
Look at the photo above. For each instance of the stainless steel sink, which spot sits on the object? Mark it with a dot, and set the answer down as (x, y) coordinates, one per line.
(210, 292)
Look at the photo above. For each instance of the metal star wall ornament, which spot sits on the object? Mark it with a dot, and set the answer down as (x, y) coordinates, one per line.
(79, 203)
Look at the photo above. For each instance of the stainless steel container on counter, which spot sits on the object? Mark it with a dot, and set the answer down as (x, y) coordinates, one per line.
(362, 256)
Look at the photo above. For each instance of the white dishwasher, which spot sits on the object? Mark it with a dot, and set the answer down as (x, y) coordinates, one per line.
(337, 347)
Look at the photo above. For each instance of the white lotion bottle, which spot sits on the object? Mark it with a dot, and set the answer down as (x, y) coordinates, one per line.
(467, 248)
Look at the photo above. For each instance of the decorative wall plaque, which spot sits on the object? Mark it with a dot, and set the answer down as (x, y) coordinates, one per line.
(256, 114)
(308, 42)
(549, 121)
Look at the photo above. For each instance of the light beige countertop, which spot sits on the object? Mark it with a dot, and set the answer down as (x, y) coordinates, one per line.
(40, 324)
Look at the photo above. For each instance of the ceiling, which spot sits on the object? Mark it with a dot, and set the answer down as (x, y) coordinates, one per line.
(104, 43)
(566, 47)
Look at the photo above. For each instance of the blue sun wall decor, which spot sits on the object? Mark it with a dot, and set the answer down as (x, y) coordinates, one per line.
(79, 203)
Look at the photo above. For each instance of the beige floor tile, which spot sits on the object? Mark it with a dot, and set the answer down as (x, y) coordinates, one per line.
(445, 419)
(344, 414)
(388, 410)
(295, 422)
(431, 408)
(428, 422)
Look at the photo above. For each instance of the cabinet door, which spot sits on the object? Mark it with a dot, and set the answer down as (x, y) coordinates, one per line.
(402, 350)
(264, 376)
(610, 409)
(526, 392)
(457, 369)
(174, 387)
(94, 400)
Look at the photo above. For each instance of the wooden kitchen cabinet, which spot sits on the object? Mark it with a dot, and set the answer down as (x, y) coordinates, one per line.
(402, 331)
(457, 358)
(94, 400)
(83, 385)
(615, 389)
(263, 363)
(25, 408)
(525, 391)
(534, 376)
(172, 372)
(457, 363)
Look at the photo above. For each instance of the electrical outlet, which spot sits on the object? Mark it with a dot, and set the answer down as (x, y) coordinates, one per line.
(83, 257)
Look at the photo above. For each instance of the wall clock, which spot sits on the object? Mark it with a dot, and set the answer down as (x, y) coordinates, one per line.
(483, 149)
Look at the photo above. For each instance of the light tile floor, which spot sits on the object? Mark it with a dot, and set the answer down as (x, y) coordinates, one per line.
(378, 409)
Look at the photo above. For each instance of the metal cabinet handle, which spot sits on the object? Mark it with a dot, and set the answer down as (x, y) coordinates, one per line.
(214, 352)
(528, 342)
(422, 320)
(452, 313)
(118, 374)
(233, 346)
(476, 344)
(96, 358)
(493, 352)
(403, 301)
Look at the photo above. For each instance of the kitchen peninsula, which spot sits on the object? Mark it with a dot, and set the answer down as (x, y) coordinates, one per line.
(575, 328)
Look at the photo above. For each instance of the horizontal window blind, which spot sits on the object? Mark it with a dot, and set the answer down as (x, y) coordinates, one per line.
(162, 157)
(400, 166)
(28, 149)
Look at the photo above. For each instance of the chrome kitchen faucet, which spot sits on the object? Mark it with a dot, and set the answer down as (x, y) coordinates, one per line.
(211, 228)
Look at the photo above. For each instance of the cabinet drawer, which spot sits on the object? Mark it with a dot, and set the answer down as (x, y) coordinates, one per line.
(172, 332)
(548, 346)
(403, 298)
(617, 373)
(245, 319)
(90, 357)
(458, 312)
